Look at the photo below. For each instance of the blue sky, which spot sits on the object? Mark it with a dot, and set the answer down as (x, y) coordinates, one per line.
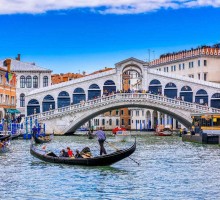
(87, 39)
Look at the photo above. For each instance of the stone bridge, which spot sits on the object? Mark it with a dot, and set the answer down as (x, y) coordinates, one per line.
(67, 119)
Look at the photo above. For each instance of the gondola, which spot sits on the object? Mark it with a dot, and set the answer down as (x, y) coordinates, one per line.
(3, 137)
(4, 143)
(103, 160)
(42, 139)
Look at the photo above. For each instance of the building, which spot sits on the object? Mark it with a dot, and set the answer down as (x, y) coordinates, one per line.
(7, 91)
(59, 78)
(29, 77)
(201, 63)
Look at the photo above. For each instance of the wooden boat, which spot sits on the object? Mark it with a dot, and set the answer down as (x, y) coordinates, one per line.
(3, 137)
(42, 139)
(107, 159)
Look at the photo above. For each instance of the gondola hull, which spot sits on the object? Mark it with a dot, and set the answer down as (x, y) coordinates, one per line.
(41, 140)
(103, 160)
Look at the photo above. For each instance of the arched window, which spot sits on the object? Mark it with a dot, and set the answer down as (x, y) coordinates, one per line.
(22, 100)
(22, 82)
(155, 87)
(48, 103)
(45, 81)
(78, 95)
(186, 94)
(215, 100)
(35, 82)
(63, 99)
(109, 87)
(28, 81)
(94, 91)
(170, 90)
(201, 97)
(33, 107)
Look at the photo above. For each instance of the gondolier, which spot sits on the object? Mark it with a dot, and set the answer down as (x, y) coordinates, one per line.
(101, 138)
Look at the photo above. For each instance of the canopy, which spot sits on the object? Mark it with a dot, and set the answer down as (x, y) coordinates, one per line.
(13, 111)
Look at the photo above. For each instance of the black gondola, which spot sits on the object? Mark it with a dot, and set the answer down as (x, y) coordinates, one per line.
(42, 139)
(107, 159)
(3, 137)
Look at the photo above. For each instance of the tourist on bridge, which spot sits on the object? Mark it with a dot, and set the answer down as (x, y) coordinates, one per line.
(101, 138)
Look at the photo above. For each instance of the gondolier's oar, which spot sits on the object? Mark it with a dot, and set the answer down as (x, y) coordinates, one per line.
(110, 144)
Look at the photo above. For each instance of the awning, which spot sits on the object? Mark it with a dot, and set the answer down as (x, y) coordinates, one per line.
(13, 111)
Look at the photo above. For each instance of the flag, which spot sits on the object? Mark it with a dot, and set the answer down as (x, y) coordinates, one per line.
(7, 77)
(10, 76)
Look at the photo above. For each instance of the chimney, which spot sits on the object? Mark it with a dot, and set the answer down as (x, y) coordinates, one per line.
(18, 57)
(8, 64)
(84, 73)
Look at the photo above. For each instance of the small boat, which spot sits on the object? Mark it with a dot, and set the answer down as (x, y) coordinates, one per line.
(116, 129)
(164, 132)
(122, 136)
(40, 139)
(16, 135)
(102, 160)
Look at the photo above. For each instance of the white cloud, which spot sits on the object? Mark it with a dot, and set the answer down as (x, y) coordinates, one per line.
(104, 7)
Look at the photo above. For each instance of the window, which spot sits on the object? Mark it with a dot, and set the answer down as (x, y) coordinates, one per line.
(167, 69)
(205, 62)
(164, 69)
(198, 63)
(122, 112)
(183, 65)
(45, 81)
(28, 81)
(103, 122)
(129, 112)
(0, 78)
(12, 100)
(117, 112)
(22, 100)
(137, 112)
(110, 113)
(174, 68)
(122, 122)
(129, 122)
(189, 64)
(179, 66)
(205, 76)
(142, 112)
(110, 122)
(171, 68)
(192, 64)
(35, 82)
(199, 76)
(117, 122)
(22, 82)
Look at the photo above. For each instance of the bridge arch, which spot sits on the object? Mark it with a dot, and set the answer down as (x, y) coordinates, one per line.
(155, 87)
(109, 87)
(201, 97)
(215, 100)
(48, 103)
(94, 91)
(63, 99)
(78, 95)
(186, 94)
(170, 90)
(33, 107)
(89, 114)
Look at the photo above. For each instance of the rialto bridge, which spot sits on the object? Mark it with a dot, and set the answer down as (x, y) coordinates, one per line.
(66, 106)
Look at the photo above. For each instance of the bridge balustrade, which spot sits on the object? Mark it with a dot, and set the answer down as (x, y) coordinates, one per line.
(127, 97)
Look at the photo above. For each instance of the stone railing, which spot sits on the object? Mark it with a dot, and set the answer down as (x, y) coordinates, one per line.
(185, 78)
(126, 97)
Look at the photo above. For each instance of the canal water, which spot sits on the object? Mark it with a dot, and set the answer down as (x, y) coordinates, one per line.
(169, 169)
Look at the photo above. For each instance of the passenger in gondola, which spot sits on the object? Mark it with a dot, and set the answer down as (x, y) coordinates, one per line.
(70, 152)
(78, 155)
(63, 153)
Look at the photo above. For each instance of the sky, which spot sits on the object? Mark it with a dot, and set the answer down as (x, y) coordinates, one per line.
(81, 35)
